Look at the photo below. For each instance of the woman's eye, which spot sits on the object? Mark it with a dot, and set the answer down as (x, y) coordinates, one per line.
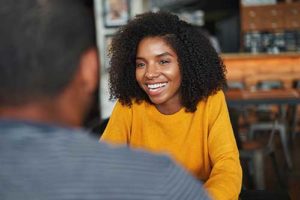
(139, 65)
(164, 62)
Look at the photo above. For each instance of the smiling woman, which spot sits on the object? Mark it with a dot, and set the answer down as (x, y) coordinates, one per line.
(158, 74)
(168, 80)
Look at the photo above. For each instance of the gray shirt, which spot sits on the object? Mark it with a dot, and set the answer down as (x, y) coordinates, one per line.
(46, 162)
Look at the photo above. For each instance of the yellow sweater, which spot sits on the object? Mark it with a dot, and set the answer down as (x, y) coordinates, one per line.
(202, 142)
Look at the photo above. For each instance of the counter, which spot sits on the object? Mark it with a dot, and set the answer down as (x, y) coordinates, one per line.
(251, 68)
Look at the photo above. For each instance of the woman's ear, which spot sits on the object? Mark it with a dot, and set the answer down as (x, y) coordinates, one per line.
(89, 70)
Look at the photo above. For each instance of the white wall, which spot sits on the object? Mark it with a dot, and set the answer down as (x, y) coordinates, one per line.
(135, 7)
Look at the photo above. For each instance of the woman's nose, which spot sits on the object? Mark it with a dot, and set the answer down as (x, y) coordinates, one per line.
(152, 72)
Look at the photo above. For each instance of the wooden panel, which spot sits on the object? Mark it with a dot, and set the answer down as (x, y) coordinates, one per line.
(272, 17)
(249, 68)
(292, 16)
(251, 18)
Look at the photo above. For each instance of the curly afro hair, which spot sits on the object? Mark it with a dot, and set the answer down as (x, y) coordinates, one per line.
(202, 70)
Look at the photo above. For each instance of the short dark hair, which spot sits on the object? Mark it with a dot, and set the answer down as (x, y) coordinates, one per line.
(41, 43)
(202, 70)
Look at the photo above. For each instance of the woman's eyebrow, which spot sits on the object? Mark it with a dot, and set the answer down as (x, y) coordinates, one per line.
(139, 58)
(159, 55)
(164, 54)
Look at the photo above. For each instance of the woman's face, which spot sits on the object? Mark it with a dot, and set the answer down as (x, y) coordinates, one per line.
(158, 74)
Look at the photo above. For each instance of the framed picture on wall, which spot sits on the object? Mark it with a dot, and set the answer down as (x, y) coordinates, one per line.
(116, 12)
(107, 43)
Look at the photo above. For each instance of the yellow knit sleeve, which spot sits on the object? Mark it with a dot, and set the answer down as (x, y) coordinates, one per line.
(226, 175)
(119, 126)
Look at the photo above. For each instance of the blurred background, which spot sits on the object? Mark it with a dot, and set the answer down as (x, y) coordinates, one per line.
(235, 27)
(259, 42)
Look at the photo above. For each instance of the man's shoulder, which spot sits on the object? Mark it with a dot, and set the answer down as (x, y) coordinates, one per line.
(45, 156)
(134, 156)
(69, 144)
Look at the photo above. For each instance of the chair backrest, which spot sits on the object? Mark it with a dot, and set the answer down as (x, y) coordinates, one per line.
(267, 112)
(269, 84)
(296, 84)
(234, 115)
(235, 85)
(97, 129)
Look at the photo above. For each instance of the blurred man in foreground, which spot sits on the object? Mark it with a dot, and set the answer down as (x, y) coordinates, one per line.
(48, 74)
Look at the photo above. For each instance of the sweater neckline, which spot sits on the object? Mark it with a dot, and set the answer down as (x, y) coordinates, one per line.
(160, 116)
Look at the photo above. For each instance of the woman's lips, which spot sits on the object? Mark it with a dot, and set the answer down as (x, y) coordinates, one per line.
(155, 88)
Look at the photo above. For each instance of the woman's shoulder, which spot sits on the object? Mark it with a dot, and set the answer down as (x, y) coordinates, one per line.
(218, 94)
(215, 97)
(212, 100)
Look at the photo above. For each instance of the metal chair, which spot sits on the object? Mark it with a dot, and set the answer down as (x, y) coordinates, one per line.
(256, 152)
(294, 112)
(265, 124)
(252, 154)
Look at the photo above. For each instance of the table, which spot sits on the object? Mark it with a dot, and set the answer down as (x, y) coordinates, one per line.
(291, 97)
(241, 98)
(237, 98)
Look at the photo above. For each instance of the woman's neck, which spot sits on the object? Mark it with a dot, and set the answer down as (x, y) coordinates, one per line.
(168, 109)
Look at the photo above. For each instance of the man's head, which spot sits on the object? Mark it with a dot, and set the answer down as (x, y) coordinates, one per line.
(47, 52)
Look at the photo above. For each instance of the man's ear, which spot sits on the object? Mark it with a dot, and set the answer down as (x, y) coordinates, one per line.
(89, 70)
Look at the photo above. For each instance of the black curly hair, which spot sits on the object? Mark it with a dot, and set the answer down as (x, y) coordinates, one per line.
(202, 70)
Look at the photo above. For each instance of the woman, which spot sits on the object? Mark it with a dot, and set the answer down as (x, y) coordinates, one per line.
(168, 80)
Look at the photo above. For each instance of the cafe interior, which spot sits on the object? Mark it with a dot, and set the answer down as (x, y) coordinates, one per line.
(259, 43)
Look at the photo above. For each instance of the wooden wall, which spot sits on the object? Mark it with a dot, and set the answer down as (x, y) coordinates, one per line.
(251, 68)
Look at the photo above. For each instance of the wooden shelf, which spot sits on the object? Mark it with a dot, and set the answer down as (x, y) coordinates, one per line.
(281, 16)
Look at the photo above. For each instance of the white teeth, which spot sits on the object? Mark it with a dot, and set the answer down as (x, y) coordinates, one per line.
(156, 85)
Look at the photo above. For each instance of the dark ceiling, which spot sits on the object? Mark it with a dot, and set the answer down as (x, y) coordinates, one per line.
(207, 5)
(214, 9)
